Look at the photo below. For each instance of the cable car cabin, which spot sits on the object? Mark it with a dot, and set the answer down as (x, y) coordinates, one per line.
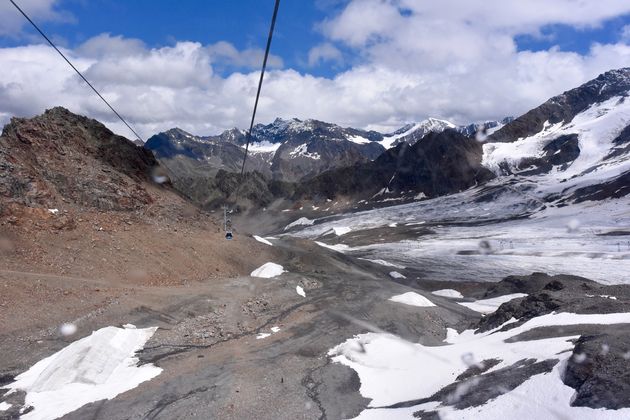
(227, 224)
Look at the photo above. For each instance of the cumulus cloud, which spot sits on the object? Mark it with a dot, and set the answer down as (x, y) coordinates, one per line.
(225, 53)
(450, 59)
(324, 52)
(12, 21)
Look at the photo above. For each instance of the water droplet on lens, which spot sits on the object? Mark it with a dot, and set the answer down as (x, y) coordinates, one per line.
(67, 329)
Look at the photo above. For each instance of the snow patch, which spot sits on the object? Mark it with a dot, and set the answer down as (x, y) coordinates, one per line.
(300, 291)
(488, 306)
(413, 299)
(396, 275)
(338, 247)
(263, 147)
(358, 139)
(342, 230)
(53, 211)
(262, 335)
(302, 150)
(5, 406)
(302, 221)
(97, 367)
(383, 262)
(449, 293)
(268, 270)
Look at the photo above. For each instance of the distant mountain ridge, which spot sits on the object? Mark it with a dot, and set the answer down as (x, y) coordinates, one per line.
(285, 150)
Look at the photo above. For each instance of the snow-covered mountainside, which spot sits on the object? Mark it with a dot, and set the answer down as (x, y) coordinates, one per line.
(576, 145)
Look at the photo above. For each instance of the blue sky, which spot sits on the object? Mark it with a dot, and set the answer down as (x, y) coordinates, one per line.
(244, 23)
(577, 39)
(375, 64)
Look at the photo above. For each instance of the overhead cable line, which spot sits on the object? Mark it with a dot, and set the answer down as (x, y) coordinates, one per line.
(260, 82)
(75, 69)
(227, 222)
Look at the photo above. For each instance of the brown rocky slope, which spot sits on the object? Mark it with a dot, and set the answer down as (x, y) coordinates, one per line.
(78, 202)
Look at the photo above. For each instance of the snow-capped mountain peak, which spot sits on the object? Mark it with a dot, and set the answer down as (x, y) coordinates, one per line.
(411, 133)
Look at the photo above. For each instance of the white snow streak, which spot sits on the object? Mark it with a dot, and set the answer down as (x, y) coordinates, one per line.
(488, 306)
(338, 247)
(263, 240)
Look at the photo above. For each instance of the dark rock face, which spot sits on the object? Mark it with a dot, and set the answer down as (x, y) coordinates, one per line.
(566, 106)
(185, 154)
(622, 144)
(614, 188)
(599, 370)
(560, 152)
(295, 161)
(522, 309)
(441, 163)
(60, 156)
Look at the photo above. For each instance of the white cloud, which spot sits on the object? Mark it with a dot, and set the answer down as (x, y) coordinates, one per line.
(12, 21)
(107, 45)
(225, 53)
(453, 60)
(324, 52)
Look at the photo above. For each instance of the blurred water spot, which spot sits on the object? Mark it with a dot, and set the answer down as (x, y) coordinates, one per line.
(481, 134)
(67, 329)
(462, 389)
(605, 349)
(159, 175)
(579, 358)
(485, 247)
(6, 245)
(469, 360)
(139, 275)
(573, 225)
